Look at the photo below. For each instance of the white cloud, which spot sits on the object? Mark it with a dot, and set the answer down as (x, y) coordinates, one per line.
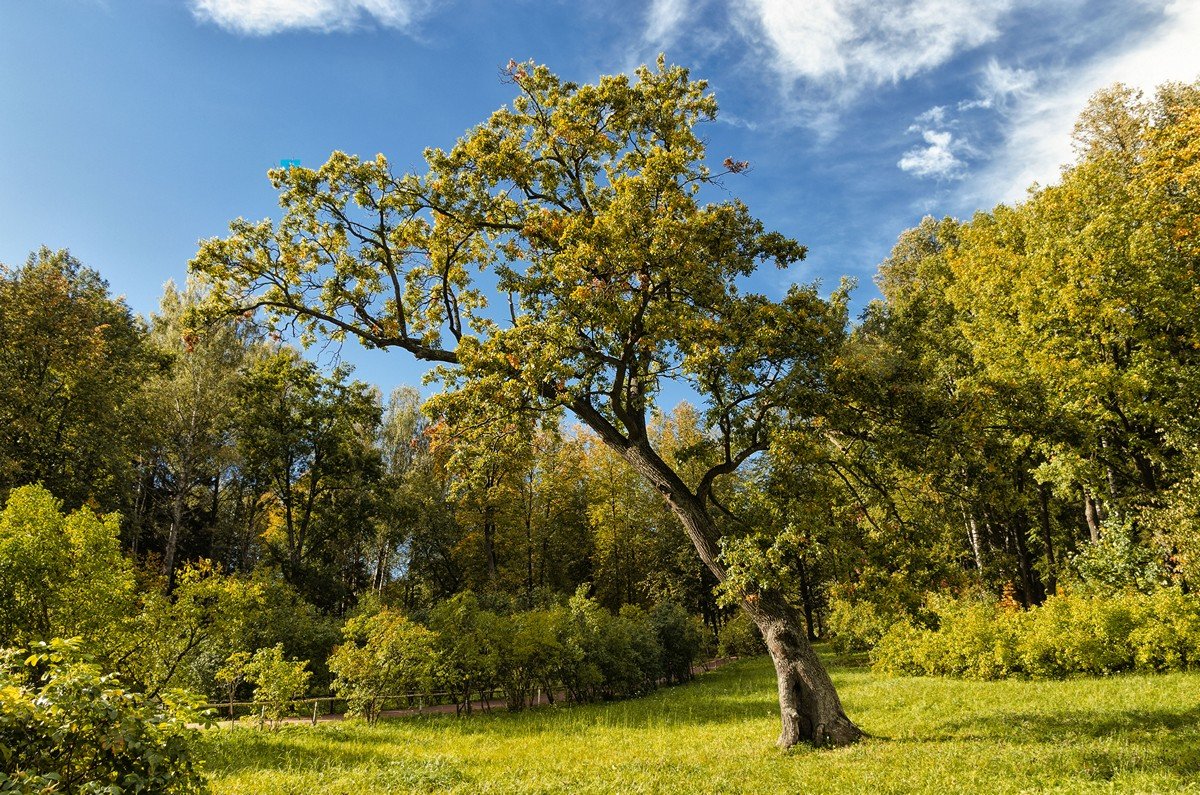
(940, 156)
(266, 17)
(936, 159)
(999, 84)
(664, 19)
(1038, 141)
(848, 45)
(934, 117)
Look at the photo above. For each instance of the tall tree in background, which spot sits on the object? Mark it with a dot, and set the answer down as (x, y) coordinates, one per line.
(306, 443)
(190, 416)
(1035, 368)
(403, 450)
(613, 277)
(73, 359)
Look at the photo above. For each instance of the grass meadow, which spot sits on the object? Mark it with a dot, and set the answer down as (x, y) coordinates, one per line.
(1124, 734)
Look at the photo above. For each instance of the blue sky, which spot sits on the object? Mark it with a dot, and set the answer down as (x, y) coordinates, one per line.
(130, 129)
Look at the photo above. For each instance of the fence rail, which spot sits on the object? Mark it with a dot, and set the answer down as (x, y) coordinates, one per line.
(231, 710)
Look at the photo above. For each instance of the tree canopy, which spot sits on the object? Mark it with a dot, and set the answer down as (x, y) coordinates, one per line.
(561, 255)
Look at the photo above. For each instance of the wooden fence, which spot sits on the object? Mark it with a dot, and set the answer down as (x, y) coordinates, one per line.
(418, 702)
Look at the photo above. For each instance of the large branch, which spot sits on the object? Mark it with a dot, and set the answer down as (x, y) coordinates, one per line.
(417, 349)
(591, 417)
(727, 467)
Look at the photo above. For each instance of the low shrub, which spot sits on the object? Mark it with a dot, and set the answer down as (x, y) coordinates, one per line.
(384, 654)
(740, 637)
(681, 638)
(277, 681)
(67, 727)
(1167, 632)
(857, 625)
(1072, 633)
(975, 639)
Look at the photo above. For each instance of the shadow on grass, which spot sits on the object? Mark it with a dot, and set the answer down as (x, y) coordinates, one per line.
(1099, 743)
(358, 752)
(1038, 726)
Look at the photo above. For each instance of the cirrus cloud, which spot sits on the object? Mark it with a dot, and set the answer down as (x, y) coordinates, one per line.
(267, 17)
(849, 45)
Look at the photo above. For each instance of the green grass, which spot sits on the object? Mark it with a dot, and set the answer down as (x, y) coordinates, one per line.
(1126, 734)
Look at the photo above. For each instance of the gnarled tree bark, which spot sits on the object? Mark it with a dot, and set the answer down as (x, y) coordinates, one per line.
(810, 709)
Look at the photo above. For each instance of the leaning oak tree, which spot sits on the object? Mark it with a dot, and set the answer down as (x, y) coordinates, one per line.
(578, 208)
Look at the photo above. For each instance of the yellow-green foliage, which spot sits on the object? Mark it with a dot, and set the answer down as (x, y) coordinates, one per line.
(277, 681)
(740, 637)
(384, 654)
(61, 574)
(858, 625)
(1072, 633)
(65, 727)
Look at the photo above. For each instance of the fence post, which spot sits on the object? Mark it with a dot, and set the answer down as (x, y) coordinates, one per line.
(314, 720)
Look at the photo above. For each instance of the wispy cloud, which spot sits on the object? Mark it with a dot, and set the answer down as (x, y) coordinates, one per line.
(934, 117)
(845, 46)
(998, 85)
(1038, 135)
(664, 19)
(945, 154)
(267, 17)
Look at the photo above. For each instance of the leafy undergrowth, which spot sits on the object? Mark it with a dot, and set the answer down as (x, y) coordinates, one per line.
(1124, 734)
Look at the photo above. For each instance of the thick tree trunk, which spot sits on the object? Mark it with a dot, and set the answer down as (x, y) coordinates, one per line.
(810, 709)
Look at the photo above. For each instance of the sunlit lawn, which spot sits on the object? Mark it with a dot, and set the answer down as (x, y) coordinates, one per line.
(1124, 734)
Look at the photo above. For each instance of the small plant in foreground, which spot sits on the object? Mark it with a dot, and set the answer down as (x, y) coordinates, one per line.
(65, 727)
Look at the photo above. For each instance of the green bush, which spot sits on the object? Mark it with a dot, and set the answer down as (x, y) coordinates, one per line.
(66, 727)
(384, 654)
(529, 650)
(1072, 633)
(645, 650)
(901, 650)
(61, 574)
(277, 681)
(1089, 633)
(857, 625)
(1115, 563)
(975, 639)
(1167, 635)
(740, 637)
(466, 647)
(580, 647)
(681, 639)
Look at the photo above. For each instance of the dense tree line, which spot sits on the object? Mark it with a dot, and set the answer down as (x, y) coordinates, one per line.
(225, 446)
(221, 495)
(1024, 395)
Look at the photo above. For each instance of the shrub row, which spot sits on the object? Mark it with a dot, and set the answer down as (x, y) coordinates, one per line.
(1072, 633)
(579, 649)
